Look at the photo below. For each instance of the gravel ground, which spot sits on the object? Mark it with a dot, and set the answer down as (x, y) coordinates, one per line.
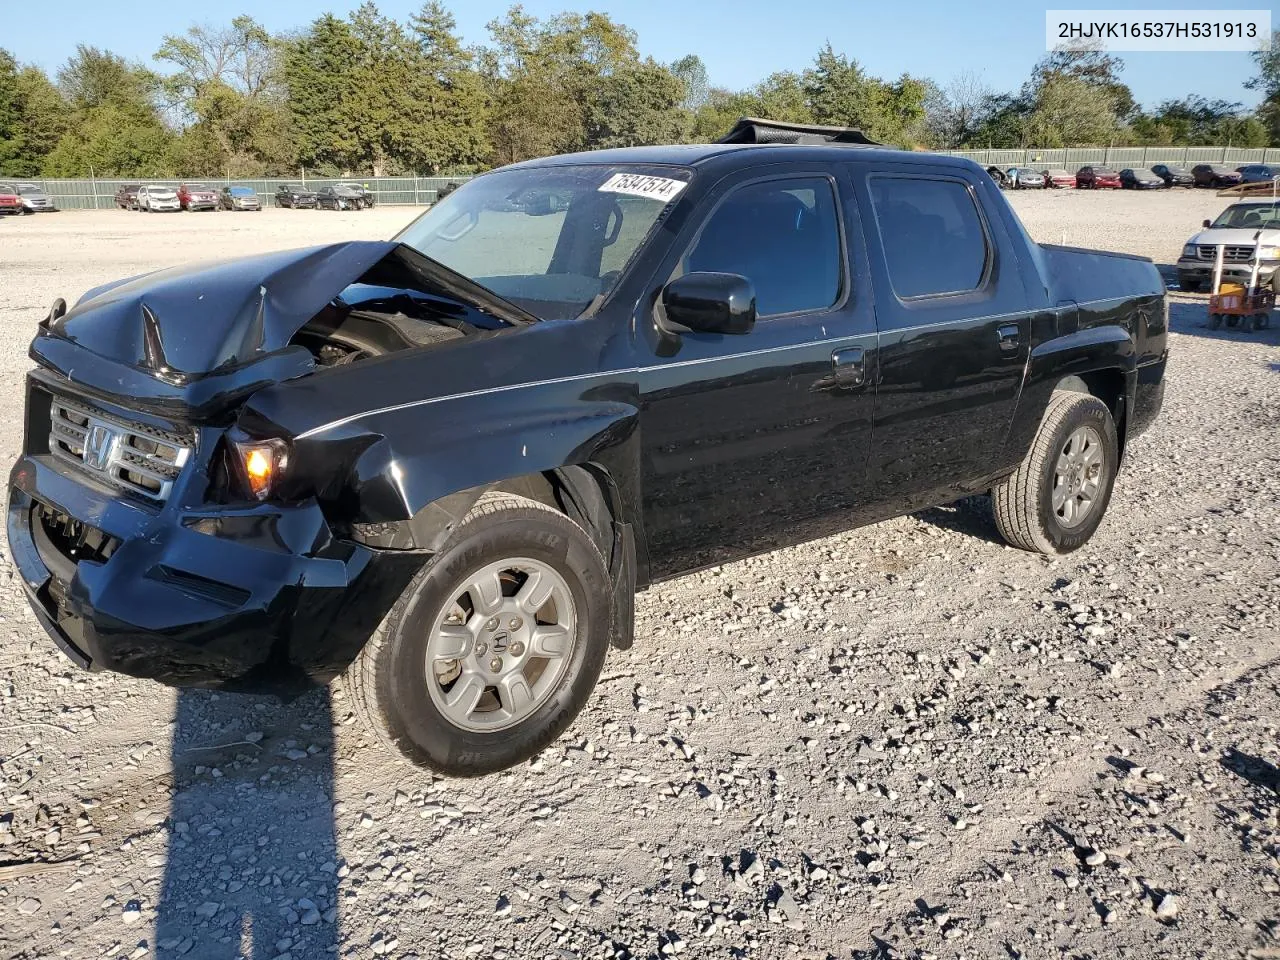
(907, 741)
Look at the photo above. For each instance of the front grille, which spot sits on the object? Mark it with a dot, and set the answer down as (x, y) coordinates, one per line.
(135, 457)
(1207, 252)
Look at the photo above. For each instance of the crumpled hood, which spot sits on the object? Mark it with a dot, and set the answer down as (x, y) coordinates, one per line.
(188, 321)
(194, 341)
(1235, 236)
(189, 337)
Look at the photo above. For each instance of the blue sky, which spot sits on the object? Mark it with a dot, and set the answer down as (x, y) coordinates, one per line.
(741, 41)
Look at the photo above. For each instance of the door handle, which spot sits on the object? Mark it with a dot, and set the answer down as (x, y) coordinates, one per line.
(848, 367)
(1008, 336)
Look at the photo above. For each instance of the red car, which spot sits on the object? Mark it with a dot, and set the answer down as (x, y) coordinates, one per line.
(10, 202)
(1091, 178)
(197, 196)
(1058, 178)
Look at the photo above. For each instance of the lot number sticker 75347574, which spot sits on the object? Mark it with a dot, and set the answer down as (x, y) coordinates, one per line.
(639, 185)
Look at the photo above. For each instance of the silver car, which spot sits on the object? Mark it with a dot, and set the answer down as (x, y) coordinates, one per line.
(155, 197)
(34, 199)
(1024, 178)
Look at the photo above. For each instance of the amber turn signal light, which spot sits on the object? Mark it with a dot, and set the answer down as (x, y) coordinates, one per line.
(261, 462)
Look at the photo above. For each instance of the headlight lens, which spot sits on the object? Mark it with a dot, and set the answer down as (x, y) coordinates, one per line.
(1269, 253)
(261, 463)
(1189, 250)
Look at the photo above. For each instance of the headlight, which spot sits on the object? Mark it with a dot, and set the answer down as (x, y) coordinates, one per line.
(261, 463)
(1189, 250)
(1269, 253)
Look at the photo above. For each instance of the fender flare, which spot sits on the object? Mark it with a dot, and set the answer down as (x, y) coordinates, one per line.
(1078, 356)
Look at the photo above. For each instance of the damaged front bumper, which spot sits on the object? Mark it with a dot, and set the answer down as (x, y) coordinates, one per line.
(255, 598)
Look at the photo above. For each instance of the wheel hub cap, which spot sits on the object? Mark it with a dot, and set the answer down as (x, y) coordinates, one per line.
(498, 650)
(1078, 476)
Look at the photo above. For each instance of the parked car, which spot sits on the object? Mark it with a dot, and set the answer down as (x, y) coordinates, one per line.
(238, 198)
(443, 467)
(34, 199)
(1174, 176)
(1214, 175)
(1251, 173)
(10, 199)
(1058, 178)
(1000, 177)
(1131, 179)
(127, 196)
(366, 195)
(338, 196)
(1092, 178)
(1244, 229)
(197, 196)
(156, 198)
(294, 197)
(1024, 178)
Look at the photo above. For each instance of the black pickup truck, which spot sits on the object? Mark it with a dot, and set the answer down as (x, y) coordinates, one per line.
(443, 464)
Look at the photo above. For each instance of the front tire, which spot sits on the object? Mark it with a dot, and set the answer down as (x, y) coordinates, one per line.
(494, 647)
(1055, 500)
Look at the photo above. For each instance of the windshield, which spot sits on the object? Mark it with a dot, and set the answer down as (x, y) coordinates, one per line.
(550, 239)
(196, 186)
(1250, 215)
(241, 192)
(28, 188)
(1103, 172)
(158, 188)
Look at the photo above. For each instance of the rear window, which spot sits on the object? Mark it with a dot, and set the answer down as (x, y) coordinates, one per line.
(932, 235)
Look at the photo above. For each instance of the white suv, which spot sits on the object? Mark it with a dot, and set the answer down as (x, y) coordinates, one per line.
(1243, 228)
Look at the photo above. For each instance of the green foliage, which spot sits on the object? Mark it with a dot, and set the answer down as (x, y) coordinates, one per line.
(369, 93)
(1070, 111)
(636, 105)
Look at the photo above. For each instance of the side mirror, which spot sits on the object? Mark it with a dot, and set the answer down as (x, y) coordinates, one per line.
(1207, 224)
(711, 303)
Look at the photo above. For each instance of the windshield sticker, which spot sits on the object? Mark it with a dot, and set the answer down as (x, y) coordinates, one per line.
(638, 185)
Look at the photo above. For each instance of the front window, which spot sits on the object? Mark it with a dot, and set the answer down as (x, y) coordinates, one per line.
(550, 239)
(241, 192)
(1254, 215)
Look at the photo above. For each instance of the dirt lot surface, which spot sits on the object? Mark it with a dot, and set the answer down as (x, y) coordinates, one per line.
(906, 741)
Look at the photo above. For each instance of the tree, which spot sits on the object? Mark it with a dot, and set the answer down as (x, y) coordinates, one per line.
(839, 93)
(448, 103)
(319, 73)
(223, 91)
(955, 113)
(1196, 121)
(692, 74)
(114, 126)
(1069, 111)
(636, 105)
(545, 77)
(1268, 81)
(1095, 68)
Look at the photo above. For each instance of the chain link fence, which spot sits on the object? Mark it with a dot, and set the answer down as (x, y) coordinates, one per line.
(97, 194)
(1075, 157)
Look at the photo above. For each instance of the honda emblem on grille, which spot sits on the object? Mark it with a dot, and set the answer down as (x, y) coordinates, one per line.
(99, 442)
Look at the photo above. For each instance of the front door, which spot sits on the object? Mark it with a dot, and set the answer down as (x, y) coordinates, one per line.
(754, 440)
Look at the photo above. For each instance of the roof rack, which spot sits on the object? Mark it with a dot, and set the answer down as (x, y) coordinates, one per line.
(757, 130)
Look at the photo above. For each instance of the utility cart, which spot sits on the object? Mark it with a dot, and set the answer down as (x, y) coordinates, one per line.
(1236, 304)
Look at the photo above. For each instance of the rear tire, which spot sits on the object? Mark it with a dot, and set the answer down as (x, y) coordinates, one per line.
(453, 693)
(1055, 500)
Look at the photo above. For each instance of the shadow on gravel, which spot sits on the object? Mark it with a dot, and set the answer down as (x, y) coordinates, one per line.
(252, 864)
(1259, 772)
(1191, 318)
(970, 516)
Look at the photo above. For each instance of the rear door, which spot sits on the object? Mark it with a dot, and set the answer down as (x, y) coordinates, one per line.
(953, 323)
(762, 439)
